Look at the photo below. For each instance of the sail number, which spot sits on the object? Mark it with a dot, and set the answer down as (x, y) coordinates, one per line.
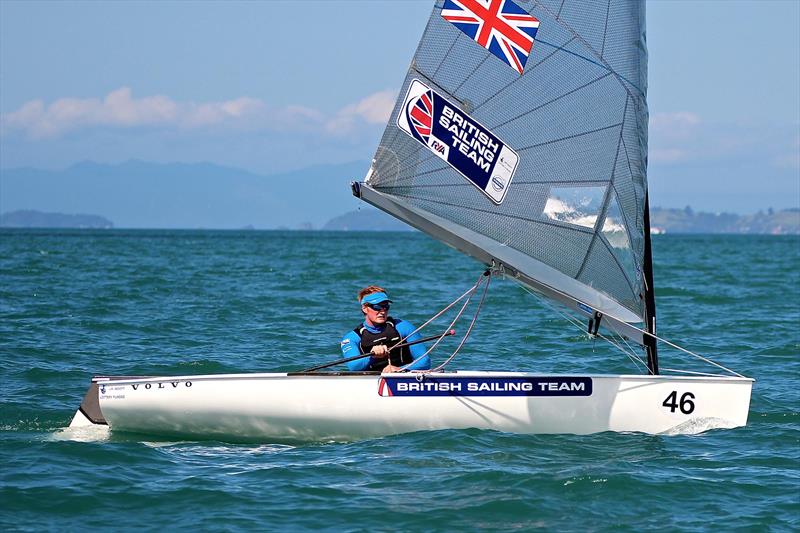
(686, 405)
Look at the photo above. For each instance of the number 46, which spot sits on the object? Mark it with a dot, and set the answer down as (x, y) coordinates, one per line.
(686, 404)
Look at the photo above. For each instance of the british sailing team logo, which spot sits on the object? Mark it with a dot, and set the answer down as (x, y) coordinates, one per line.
(422, 385)
(455, 137)
(420, 115)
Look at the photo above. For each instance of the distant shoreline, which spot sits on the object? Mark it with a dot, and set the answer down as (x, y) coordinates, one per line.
(663, 221)
(111, 231)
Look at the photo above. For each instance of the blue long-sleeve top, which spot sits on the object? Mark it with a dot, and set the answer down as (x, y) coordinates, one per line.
(351, 343)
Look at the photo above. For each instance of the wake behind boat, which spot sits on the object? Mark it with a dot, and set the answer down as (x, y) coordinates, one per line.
(519, 138)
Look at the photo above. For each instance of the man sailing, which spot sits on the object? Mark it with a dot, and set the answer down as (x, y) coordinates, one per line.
(378, 333)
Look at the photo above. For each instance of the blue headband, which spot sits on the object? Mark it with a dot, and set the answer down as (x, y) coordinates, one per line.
(375, 298)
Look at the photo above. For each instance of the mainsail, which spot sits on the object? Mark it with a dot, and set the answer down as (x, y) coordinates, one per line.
(541, 172)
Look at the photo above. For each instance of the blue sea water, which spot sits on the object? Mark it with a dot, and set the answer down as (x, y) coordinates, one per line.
(78, 303)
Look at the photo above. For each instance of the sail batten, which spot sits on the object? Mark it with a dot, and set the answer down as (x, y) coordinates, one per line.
(542, 170)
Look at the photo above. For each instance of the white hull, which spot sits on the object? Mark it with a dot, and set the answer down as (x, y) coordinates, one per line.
(305, 407)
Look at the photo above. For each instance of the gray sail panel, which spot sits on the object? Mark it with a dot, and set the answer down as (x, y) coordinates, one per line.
(576, 118)
(542, 278)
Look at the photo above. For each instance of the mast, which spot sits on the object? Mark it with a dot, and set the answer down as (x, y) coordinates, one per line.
(650, 343)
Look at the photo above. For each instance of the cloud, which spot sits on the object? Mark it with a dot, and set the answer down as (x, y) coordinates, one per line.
(120, 109)
(790, 158)
(686, 138)
(673, 136)
(668, 155)
(195, 115)
(374, 109)
(680, 120)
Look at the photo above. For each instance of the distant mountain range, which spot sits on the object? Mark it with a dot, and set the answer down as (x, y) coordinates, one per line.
(366, 219)
(784, 222)
(137, 194)
(37, 219)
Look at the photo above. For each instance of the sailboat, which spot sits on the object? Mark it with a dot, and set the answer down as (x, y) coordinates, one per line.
(519, 137)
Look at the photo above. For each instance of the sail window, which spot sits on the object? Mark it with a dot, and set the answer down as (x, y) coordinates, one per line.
(579, 206)
(617, 237)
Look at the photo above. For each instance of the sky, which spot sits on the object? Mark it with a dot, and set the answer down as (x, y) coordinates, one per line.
(276, 86)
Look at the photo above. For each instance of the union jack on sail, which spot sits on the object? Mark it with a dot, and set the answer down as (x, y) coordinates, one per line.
(420, 115)
(500, 26)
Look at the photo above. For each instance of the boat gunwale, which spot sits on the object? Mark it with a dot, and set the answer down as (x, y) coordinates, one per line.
(415, 375)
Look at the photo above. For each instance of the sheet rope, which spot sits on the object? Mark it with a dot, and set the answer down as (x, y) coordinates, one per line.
(629, 352)
(485, 277)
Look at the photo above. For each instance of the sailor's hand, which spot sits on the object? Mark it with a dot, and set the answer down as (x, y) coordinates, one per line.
(390, 368)
(380, 351)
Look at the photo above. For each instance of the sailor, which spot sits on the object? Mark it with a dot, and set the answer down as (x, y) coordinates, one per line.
(378, 333)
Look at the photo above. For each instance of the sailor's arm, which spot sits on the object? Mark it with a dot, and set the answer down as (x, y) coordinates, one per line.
(351, 346)
(417, 350)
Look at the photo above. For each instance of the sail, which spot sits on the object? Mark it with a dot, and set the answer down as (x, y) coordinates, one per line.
(535, 159)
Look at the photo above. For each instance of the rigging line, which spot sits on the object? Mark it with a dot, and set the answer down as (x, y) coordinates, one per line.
(626, 223)
(691, 353)
(559, 9)
(444, 57)
(639, 225)
(630, 350)
(679, 371)
(469, 329)
(440, 313)
(627, 344)
(605, 30)
(466, 184)
(577, 229)
(643, 332)
(632, 355)
(571, 137)
(601, 216)
(581, 183)
(684, 350)
(572, 320)
(428, 156)
(410, 178)
(452, 323)
(635, 359)
(589, 60)
(556, 99)
(510, 83)
(616, 192)
(640, 366)
(604, 240)
(436, 7)
(627, 156)
(479, 65)
(562, 182)
(587, 46)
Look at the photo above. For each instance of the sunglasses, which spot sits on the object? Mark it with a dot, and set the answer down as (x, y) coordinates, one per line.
(379, 307)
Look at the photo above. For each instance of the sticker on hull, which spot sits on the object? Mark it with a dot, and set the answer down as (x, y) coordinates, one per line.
(458, 139)
(485, 386)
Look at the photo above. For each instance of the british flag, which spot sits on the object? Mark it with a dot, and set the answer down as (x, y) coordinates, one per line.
(420, 115)
(500, 26)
